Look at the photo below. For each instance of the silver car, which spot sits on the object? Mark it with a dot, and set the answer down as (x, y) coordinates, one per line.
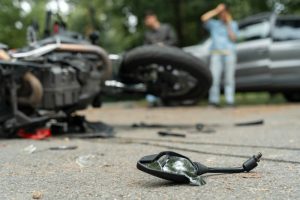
(268, 51)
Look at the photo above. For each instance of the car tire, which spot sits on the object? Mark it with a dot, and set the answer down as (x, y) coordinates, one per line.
(154, 54)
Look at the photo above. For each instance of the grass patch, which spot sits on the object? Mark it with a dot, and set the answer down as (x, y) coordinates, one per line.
(258, 98)
(243, 99)
(253, 98)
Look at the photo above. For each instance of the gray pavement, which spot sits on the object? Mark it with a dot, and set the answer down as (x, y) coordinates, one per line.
(106, 169)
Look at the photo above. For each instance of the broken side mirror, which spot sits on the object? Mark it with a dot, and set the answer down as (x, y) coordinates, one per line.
(180, 169)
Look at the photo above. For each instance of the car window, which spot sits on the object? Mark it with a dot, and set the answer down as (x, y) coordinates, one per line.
(254, 31)
(287, 29)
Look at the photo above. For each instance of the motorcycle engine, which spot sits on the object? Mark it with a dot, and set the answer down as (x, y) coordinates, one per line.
(61, 87)
(75, 82)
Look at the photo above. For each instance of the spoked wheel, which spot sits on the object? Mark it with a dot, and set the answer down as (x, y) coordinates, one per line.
(169, 73)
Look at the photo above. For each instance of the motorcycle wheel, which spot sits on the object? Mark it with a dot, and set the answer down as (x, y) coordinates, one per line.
(169, 73)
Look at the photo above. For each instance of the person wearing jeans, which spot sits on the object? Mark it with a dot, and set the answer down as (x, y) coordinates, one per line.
(223, 55)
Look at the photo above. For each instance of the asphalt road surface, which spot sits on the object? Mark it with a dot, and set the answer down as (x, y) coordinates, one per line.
(106, 169)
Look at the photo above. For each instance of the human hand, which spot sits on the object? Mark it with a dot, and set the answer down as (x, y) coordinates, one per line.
(221, 7)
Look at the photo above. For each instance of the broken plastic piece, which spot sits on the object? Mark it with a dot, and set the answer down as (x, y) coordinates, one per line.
(205, 129)
(251, 123)
(38, 134)
(145, 125)
(30, 149)
(162, 133)
(79, 127)
(178, 168)
(61, 148)
(85, 161)
(200, 127)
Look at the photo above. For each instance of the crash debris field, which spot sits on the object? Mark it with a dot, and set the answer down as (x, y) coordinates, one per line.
(106, 168)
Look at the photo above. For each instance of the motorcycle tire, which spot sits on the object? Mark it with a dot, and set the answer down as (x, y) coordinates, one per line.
(162, 55)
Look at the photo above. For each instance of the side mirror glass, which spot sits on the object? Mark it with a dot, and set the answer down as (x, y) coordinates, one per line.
(171, 166)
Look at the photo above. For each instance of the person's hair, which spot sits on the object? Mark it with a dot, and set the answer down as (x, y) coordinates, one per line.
(229, 12)
(149, 13)
(227, 9)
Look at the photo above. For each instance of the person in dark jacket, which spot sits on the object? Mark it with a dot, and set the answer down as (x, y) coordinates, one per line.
(158, 33)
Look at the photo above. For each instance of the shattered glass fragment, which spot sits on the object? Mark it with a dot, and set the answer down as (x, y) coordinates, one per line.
(86, 161)
(30, 149)
(178, 165)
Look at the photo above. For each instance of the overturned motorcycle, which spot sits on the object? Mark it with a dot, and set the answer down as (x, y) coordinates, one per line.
(174, 76)
(60, 75)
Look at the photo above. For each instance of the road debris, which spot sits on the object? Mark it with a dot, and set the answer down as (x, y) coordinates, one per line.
(251, 123)
(35, 134)
(79, 127)
(63, 148)
(86, 160)
(200, 127)
(30, 149)
(205, 128)
(37, 195)
(180, 169)
(146, 125)
(166, 134)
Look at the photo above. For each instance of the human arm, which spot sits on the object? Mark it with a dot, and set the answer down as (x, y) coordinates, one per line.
(212, 13)
(232, 29)
(231, 34)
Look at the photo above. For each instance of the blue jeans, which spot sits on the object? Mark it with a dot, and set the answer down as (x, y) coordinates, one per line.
(218, 63)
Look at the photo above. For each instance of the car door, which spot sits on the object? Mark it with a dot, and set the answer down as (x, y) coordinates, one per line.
(285, 54)
(253, 52)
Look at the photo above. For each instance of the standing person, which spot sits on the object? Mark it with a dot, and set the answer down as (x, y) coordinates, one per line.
(160, 34)
(223, 54)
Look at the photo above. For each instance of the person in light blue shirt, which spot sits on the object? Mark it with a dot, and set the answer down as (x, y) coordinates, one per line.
(223, 32)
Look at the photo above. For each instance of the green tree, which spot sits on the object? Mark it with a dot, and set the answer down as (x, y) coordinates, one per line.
(9, 19)
(109, 17)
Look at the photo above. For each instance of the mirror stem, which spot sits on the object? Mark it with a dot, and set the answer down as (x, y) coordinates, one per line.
(249, 165)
